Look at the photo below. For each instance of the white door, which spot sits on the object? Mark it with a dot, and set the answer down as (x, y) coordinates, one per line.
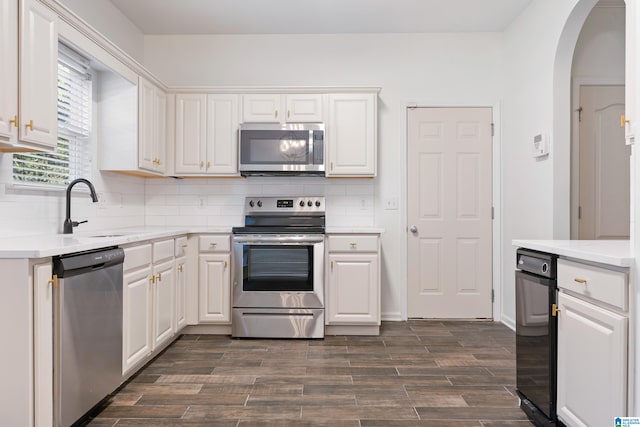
(604, 165)
(449, 212)
(215, 288)
(191, 133)
(164, 294)
(222, 134)
(353, 289)
(592, 363)
(38, 75)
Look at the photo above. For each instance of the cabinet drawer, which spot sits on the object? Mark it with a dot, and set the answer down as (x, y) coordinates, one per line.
(163, 250)
(181, 246)
(137, 256)
(353, 243)
(215, 243)
(601, 284)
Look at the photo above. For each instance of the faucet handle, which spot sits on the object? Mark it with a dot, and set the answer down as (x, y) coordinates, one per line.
(77, 223)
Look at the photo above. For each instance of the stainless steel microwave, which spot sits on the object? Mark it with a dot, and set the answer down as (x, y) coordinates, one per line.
(281, 149)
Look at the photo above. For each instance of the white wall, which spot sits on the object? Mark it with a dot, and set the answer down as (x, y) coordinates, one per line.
(426, 69)
(113, 24)
(600, 50)
(539, 47)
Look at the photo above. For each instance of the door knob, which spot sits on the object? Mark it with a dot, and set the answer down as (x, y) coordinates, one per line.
(413, 229)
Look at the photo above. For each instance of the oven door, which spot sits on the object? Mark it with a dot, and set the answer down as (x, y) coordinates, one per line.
(278, 271)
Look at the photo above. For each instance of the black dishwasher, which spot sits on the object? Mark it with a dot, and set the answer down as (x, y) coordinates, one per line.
(536, 336)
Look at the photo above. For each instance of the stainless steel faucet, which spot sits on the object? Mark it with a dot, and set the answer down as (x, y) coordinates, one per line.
(68, 225)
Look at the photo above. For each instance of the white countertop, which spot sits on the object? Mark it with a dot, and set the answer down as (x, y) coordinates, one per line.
(613, 252)
(46, 245)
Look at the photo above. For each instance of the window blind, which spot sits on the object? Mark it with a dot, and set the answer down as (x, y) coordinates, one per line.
(72, 157)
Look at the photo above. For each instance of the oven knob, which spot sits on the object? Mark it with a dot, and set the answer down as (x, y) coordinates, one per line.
(309, 203)
(302, 203)
(259, 203)
(317, 203)
(251, 203)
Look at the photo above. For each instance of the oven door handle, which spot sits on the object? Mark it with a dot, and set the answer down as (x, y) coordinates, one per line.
(266, 240)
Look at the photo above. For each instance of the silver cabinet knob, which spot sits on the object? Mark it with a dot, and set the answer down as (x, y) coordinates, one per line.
(413, 229)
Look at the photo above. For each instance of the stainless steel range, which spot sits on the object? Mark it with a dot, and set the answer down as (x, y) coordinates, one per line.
(278, 283)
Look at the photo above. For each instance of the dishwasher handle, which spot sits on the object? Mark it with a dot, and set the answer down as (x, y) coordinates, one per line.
(76, 263)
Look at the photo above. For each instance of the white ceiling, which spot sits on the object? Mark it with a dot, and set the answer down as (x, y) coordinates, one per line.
(319, 16)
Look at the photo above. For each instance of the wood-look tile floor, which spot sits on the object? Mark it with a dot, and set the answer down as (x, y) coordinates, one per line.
(416, 373)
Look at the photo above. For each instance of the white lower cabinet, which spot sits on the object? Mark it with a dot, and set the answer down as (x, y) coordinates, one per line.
(181, 283)
(43, 344)
(592, 346)
(137, 313)
(214, 266)
(353, 284)
(149, 301)
(164, 294)
(27, 359)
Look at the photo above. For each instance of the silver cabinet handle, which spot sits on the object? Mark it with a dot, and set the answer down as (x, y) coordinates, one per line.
(413, 229)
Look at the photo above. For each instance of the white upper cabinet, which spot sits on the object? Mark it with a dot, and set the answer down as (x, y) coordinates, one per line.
(152, 113)
(222, 134)
(29, 110)
(38, 118)
(8, 71)
(351, 142)
(262, 108)
(303, 108)
(191, 133)
(278, 108)
(206, 134)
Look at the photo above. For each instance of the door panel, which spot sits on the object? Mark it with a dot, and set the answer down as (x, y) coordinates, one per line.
(449, 193)
(604, 165)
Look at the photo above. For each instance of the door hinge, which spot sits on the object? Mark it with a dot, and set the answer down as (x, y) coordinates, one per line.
(579, 212)
(492, 129)
(493, 295)
(493, 213)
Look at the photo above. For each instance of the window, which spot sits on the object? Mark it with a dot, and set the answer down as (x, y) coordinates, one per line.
(72, 157)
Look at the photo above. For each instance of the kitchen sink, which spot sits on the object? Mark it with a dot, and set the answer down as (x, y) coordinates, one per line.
(107, 235)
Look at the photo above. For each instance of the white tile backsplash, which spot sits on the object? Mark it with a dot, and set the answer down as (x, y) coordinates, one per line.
(220, 202)
(126, 201)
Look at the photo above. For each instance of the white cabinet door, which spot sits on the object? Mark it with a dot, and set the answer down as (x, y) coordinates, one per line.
(181, 294)
(43, 344)
(222, 134)
(9, 71)
(152, 111)
(303, 108)
(353, 296)
(164, 293)
(146, 132)
(38, 75)
(351, 135)
(261, 108)
(191, 133)
(215, 288)
(592, 363)
(159, 124)
(137, 321)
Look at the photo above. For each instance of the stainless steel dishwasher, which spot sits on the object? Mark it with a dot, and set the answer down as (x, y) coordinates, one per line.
(87, 353)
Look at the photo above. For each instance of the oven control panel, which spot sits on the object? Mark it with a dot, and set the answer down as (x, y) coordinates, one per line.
(284, 204)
